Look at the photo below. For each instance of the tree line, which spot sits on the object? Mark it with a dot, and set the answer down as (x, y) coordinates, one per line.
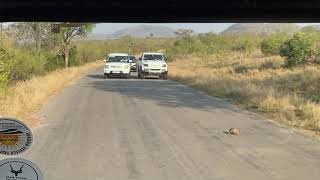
(31, 48)
(299, 48)
(39, 36)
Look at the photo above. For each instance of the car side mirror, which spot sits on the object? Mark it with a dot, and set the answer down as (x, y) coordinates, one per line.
(105, 60)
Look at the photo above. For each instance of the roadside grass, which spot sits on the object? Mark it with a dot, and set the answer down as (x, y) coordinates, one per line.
(24, 98)
(289, 96)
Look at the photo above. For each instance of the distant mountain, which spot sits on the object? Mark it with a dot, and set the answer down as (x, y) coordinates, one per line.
(310, 28)
(141, 31)
(144, 31)
(97, 36)
(261, 28)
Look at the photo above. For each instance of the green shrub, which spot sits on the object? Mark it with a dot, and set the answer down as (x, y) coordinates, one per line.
(215, 43)
(4, 70)
(25, 64)
(22, 64)
(272, 44)
(74, 57)
(297, 50)
(54, 62)
(183, 46)
(245, 44)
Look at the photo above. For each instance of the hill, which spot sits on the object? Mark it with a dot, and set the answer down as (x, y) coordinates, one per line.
(141, 31)
(97, 36)
(310, 28)
(144, 31)
(261, 28)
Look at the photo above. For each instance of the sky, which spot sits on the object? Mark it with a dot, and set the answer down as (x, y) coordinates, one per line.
(107, 28)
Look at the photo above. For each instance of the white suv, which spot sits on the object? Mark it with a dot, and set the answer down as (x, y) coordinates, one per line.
(152, 64)
(117, 64)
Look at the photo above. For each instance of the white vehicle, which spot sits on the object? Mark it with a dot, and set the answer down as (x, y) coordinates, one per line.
(117, 64)
(152, 64)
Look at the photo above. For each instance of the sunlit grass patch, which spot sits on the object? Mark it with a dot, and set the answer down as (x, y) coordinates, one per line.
(24, 98)
(289, 96)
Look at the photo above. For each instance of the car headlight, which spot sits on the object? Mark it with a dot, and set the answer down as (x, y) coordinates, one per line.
(164, 65)
(145, 65)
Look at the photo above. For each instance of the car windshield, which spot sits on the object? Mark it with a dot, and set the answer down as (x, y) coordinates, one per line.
(118, 59)
(153, 57)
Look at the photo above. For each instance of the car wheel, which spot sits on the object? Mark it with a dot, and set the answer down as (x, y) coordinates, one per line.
(165, 76)
(138, 73)
(141, 75)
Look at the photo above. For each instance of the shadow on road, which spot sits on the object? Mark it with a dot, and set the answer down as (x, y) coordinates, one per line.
(164, 93)
(96, 76)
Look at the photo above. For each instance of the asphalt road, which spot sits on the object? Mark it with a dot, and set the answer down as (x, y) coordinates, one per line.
(117, 129)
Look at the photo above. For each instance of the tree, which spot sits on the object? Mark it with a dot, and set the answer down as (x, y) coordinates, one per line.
(298, 49)
(31, 33)
(151, 35)
(184, 33)
(68, 34)
(128, 42)
(216, 43)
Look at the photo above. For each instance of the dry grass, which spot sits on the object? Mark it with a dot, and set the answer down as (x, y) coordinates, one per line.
(26, 97)
(289, 96)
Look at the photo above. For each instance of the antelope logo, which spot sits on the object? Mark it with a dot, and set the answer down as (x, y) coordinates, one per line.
(16, 172)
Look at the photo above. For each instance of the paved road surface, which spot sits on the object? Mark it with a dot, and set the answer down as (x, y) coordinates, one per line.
(151, 129)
